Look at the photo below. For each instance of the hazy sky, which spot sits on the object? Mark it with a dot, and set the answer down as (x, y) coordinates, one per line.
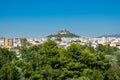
(39, 18)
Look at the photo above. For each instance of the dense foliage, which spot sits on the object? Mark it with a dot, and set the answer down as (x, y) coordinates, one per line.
(50, 62)
(63, 33)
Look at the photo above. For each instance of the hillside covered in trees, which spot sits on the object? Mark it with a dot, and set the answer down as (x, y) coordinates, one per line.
(63, 33)
(50, 62)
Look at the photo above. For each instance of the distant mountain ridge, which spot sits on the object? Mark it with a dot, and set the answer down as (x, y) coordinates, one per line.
(63, 33)
(113, 35)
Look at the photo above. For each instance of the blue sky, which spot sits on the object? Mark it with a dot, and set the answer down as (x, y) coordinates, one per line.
(39, 18)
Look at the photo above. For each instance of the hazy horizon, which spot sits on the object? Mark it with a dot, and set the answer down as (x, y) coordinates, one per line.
(37, 18)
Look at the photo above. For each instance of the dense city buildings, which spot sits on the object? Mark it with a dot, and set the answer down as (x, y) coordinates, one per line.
(64, 42)
(63, 38)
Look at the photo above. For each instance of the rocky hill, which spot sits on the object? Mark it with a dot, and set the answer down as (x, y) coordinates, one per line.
(63, 33)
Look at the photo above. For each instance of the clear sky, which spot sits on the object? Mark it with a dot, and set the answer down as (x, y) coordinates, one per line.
(39, 18)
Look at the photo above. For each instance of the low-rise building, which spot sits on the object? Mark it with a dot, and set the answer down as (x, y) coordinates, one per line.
(8, 43)
(1, 42)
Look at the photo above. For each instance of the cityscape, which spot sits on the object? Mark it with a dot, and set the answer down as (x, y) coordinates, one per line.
(64, 41)
(59, 39)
